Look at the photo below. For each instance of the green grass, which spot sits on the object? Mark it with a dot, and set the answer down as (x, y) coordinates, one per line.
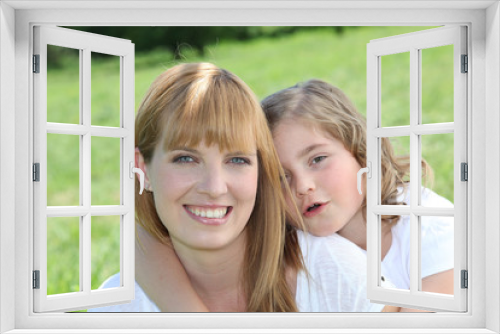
(266, 65)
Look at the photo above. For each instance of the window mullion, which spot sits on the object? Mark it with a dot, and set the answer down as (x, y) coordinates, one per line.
(86, 180)
(414, 169)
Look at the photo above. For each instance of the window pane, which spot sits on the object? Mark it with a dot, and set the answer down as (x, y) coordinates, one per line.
(395, 160)
(437, 252)
(105, 90)
(437, 84)
(395, 252)
(63, 85)
(105, 171)
(63, 170)
(105, 248)
(395, 90)
(63, 255)
(437, 150)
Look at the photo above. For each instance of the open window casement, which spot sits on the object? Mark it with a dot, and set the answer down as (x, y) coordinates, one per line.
(402, 61)
(72, 146)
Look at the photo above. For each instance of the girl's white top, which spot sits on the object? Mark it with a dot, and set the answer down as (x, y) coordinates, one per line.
(337, 276)
(336, 282)
(437, 235)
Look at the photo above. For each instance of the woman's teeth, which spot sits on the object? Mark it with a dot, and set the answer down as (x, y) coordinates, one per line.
(208, 213)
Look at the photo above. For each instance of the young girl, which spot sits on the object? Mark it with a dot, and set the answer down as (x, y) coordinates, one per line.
(320, 138)
(212, 224)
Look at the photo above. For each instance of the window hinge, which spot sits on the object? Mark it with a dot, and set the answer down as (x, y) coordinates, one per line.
(465, 279)
(36, 279)
(36, 63)
(465, 64)
(464, 171)
(36, 172)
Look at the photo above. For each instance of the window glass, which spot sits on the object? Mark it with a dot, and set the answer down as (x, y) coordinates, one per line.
(63, 85)
(438, 155)
(398, 148)
(105, 236)
(437, 250)
(106, 161)
(105, 76)
(394, 261)
(63, 170)
(63, 255)
(395, 89)
(437, 84)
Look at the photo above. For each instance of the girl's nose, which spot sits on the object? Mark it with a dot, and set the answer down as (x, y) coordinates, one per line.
(304, 186)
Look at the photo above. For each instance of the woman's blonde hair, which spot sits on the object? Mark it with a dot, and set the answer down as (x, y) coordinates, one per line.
(326, 106)
(195, 102)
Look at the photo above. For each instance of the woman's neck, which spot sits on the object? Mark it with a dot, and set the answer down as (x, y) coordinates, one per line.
(216, 275)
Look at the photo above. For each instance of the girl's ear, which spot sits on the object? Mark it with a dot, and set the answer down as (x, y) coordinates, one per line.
(139, 163)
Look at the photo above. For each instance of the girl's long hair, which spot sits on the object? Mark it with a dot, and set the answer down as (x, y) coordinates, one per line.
(326, 106)
(191, 103)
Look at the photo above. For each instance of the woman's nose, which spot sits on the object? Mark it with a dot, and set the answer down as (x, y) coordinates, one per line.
(213, 182)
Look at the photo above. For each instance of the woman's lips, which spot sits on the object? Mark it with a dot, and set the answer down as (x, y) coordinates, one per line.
(211, 215)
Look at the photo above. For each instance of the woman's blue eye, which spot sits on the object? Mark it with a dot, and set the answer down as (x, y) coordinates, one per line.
(183, 159)
(239, 161)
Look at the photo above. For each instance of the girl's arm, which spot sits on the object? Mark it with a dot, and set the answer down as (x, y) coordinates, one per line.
(162, 277)
(439, 283)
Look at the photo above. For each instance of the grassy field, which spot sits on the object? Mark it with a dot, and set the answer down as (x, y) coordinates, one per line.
(266, 65)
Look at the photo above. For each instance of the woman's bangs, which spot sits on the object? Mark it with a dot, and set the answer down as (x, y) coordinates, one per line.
(214, 115)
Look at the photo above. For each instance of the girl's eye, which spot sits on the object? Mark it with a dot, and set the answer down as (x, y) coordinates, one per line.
(239, 161)
(183, 159)
(318, 159)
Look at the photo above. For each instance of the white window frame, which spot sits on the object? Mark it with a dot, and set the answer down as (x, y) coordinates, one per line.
(16, 21)
(85, 43)
(413, 44)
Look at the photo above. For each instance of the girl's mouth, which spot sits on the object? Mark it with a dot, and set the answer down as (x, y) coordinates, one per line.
(314, 209)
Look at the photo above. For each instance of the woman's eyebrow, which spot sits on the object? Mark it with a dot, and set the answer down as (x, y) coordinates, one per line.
(251, 154)
(185, 148)
(192, 150)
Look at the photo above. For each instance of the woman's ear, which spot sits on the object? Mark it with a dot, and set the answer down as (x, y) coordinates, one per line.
(140, 163)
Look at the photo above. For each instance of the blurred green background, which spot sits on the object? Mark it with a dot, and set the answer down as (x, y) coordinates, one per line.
(267, 59)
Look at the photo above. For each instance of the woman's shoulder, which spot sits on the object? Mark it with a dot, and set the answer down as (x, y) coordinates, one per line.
(111, 282)
(141, 302)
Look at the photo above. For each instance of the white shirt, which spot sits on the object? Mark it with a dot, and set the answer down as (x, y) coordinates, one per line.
(337, 269)
(337, 282)
(437, 240)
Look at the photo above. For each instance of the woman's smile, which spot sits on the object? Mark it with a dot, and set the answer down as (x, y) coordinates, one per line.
(209, 215)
